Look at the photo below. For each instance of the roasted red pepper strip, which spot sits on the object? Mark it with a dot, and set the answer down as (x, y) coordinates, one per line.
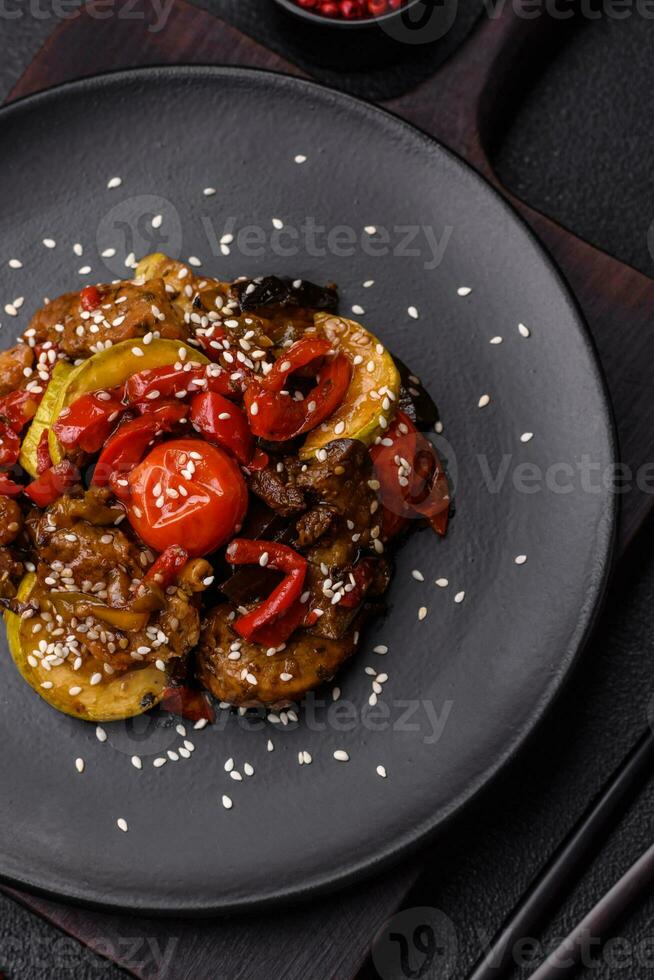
(363, 576)
(274, 634)
(169, 382)
(259, 461)
(19, 408)
(243, 551)
(222, 423)
(188, 703)
(43, 458)
(8, 488)
(277, 417)
(87, 423)
(168, 565)
(90, 298)
(211, 342)
(297, 356)
(53, 483)
(127, 446)
(9, 446)
(422, 489)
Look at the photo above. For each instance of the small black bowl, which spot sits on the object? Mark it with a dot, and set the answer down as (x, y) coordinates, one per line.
(354, 44)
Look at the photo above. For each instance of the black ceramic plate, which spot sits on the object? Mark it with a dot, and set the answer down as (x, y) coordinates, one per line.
(467, 682)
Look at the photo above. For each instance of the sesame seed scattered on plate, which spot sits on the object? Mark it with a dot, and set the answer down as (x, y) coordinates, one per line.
(227, 803)
(464, 290)
(368, 283)
(199, 725)
(526, 437)
(49, 242)
(300, 158)
(159, 762)
(79, 765)
(108, 253)
(277, 223)
(248, 769)
(524, 331)
(270, 746)
(438, 427)
(136, 762)
(495, 340)
(381, 649)
(194, 261)
(157, 221)
(121, 823)
(381, 771)
(413, 313)
(15, 264)
(484, 401)
(370, 229)
(358, 309)
(459, 597)
(341, 755)
(84, 270)
(100, 734)
(442, 583)
(209, 191)
(422, 612)
(114, 182)
(417, 575)
(520, 559)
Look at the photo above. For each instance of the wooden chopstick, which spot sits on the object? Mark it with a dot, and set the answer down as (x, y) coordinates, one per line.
(596, 925)
(561, 871)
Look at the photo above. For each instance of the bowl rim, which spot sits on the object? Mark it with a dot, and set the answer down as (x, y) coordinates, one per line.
(307, 15)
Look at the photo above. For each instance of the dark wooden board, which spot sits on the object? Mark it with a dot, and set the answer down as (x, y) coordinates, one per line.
(460, 105)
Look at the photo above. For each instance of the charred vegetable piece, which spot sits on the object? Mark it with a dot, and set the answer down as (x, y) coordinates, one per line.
(223, 423)
(110, 369)
(371, 398)
(121, 695)
(273, 291)
(281, 600)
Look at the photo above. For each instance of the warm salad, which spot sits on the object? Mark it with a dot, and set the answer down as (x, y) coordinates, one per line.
(199, 482)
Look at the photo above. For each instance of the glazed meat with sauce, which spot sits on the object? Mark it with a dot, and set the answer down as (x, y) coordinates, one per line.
(13, 365)
(306, 662)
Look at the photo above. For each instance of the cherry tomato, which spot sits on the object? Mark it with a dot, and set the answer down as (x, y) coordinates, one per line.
(189, 493)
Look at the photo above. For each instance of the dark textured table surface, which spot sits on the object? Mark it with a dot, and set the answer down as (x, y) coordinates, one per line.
(577, 145)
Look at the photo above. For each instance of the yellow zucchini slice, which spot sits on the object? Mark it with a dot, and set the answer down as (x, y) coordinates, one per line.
(43, 417)
(113, 367)
(116, 696)
(373, 374)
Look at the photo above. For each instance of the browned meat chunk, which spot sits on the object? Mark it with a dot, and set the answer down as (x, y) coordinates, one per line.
(11, 572)
(127, 310)
(11, 520)
(13, 363)
(274, 490)
(312, 525)
(304, 663)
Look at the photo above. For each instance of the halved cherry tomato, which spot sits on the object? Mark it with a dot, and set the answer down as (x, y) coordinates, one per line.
(53, 483)
(223, 423)
(295, 357)
(189, 493)
(281, 601)
(170, 381)
(9, 446)
(275, 416)
(87, 423)
(421, 489)
(128, 444)
(90, 298)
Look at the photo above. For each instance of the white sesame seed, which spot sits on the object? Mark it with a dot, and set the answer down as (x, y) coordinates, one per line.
(95, 679)
(157, 220)
(74, 691)
(100, 734)
(341, 755)
(370, 229)
(263, 560)
(254, 408)
(418, 576)
(79, 765)
(442, 583)
(520, 559)
(121, 823)
(413, 312)
(10, 309)
(484, 401)
(277, 223)
(300, 158)
(526, 437)
(248, 769)
(464, 290)
(108, 253)
(285, 676)
(422, 612)
(459, 597)
(358, 309)
(137, 352)
(227, 803)
(199, 725)
(114, 182)
(194, 261)
(495, 340)
(49, 242)
(269, 745)
(209, 191)
(524, 331)
(15, 264)
(381, 771)
(136, 762)
(159, 762)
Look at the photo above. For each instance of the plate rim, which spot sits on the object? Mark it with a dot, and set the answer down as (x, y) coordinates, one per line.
(605, 535)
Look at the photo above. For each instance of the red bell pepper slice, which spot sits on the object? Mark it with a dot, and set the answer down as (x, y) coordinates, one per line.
(9, 446)
(43, 458)
(259, 461)
(222, 423)
(299, 355)
(189, 703)
(169, 381)
(276, 416)
(211, 342)
(53, 483)
(274, 634)
(423, 490)
(87, 423)
(167, 567)
(243, 551)
(19, 408)
(8, 488)
(90, 298)
(127, 446)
